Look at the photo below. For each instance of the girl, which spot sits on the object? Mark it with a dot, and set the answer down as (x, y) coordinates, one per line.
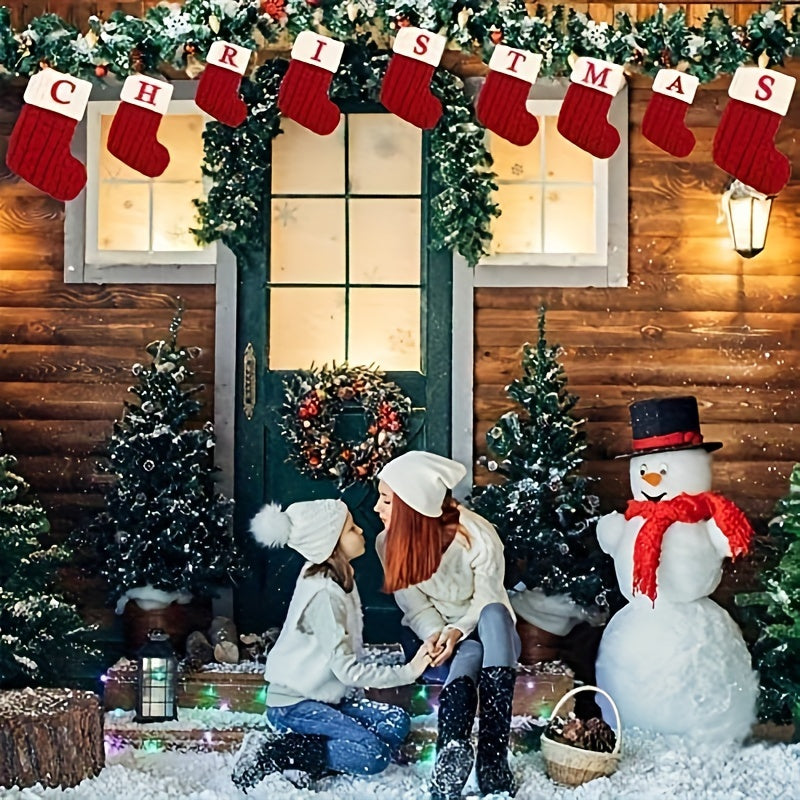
(445, 566)
(315, 662)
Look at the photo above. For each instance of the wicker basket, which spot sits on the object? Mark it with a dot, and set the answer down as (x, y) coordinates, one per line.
(573, 765)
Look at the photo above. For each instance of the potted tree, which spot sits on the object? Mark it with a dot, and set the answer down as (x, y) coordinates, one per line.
(164, 538)
(772, 613)
(542, 508)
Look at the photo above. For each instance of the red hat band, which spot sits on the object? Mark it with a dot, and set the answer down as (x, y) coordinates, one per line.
(693, 438)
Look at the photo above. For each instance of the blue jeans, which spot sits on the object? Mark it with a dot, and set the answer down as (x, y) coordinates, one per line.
(361, 733)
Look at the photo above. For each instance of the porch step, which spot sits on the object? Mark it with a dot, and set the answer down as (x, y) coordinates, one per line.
(211, 730)
(538, 689)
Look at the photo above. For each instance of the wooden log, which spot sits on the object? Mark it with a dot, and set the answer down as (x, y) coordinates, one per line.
(49, 736)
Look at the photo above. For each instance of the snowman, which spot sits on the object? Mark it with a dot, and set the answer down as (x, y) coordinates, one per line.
(672, 659)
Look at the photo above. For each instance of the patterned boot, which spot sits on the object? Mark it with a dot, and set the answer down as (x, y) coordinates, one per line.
(263, 753)
(496, 694)
(454, 755)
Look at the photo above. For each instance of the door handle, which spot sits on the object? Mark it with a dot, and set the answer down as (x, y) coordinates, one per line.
(249, 381)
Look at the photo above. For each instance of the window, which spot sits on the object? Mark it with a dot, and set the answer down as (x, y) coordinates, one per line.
(126, 227)
(345, 245)
(564, 220)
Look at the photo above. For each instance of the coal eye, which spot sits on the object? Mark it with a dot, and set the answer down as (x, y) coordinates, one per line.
(643, 470)
(663, 469)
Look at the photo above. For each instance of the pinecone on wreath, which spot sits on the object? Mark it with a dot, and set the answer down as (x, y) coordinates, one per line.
(593, 734)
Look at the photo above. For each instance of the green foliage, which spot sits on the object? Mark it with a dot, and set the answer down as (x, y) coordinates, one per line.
(775, 612)
(41, 634)
(164, 525)
(542, 509)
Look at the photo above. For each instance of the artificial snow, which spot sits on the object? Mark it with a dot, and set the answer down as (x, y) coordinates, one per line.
(653, 767)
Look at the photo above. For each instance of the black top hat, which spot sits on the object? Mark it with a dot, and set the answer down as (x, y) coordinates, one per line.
(660, 424)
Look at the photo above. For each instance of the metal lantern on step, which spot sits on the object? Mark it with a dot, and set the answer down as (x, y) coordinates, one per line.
(157, 695)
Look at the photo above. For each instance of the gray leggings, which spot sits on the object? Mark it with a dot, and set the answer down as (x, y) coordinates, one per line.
(494, 643)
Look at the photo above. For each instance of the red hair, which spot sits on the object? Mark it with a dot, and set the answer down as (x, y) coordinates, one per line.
(415, 543)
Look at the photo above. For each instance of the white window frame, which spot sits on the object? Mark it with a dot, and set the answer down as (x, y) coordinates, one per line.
(608, 266)
(81, 264)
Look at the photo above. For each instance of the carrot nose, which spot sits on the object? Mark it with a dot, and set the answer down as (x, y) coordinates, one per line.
(653, 478)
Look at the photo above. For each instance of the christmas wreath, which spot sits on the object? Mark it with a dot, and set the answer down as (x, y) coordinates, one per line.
(313, 401)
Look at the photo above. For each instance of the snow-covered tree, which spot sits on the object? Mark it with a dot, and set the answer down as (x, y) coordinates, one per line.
(41, 634)
(542, 508)
(774, 611)
(165, 526)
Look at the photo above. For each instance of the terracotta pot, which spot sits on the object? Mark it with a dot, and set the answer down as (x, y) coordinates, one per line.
(177, 620)
(537, 644)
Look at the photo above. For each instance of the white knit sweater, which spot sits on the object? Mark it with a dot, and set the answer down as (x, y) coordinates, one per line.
(316, 655)
(469, 578)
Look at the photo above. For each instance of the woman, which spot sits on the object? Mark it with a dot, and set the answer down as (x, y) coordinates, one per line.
(316, 661)
(445, 566)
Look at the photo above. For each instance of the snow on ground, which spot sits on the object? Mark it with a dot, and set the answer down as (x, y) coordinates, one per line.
(652, 768)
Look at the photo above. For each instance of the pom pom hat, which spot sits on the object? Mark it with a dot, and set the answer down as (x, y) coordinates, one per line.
(312, 527)
(421, 480)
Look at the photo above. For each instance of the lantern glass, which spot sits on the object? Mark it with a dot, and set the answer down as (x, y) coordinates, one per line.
(156, 699)
(747, 213)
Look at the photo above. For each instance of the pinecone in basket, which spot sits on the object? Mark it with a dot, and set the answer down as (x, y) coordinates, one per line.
(592, 734)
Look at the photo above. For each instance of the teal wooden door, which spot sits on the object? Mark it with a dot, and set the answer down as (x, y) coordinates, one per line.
(344, 273)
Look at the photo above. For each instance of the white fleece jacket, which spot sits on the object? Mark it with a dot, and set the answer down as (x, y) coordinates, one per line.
(469, 578)
(317, 654)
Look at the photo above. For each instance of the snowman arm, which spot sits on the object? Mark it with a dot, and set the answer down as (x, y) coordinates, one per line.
(610, 528)
(719, 541)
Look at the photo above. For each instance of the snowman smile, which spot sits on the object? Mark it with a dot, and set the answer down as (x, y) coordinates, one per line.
(654, 499)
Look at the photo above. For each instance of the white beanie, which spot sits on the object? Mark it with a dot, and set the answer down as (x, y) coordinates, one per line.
(312, 527)
(421, 480)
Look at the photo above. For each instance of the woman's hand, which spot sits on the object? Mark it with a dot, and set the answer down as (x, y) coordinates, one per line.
(421, 661)
(431, 644)
(445, 645)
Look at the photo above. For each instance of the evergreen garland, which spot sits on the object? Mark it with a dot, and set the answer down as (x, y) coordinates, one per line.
(774, 611)
(542, 509)
(42, 636)
(462, 210)
(165, 525)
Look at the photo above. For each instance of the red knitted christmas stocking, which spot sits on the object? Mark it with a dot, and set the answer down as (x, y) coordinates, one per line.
(133, 136)
(583, 119)
(664, 118)
(501, 103)
(406, 87)
(303, 95)
(39, 148)
(218, 90)
(744, 144)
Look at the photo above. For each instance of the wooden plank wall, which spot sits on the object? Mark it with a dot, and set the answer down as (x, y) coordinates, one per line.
(695, 319)
(66, 351)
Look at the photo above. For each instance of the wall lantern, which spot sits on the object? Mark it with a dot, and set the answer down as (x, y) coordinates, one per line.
(157, 696)
(747, 213)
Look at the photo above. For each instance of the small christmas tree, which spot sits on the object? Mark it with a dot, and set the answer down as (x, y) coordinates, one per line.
(542, 510)
(775, 613)
(41, 635)
(165, 527)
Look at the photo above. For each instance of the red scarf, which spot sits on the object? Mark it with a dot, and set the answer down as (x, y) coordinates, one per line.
(690, 508)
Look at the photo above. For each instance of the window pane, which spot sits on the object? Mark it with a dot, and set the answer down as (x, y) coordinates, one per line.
(110, 166)
(569, 219)
(519, 228)
(384, 241)
(174, 214)
(564, 160)
(385, 328)
(385, 155)
(306, 325)
(515, 164)
(182, 135)
(123, 216)
(308, 241)
(306, 163)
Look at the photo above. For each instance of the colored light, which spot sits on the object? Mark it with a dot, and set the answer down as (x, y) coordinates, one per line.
(224, 706)
(261, 695)
(152, 745)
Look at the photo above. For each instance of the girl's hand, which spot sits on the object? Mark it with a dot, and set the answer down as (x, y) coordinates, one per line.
(431, 644)
(445, 645)
(421, 661)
